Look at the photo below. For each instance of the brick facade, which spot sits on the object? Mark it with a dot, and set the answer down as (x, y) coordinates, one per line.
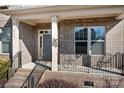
(66, 38)
(66, 31)
(115, 39)
(28, 37)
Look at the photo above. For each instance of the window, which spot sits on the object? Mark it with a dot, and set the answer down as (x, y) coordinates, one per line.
(89, 40)
(5, 40)
(81, 40)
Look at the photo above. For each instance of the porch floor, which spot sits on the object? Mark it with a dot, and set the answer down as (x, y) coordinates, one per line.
(30, 65)
(45, 64)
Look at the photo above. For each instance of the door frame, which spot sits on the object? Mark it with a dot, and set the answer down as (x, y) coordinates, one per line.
(39, 57)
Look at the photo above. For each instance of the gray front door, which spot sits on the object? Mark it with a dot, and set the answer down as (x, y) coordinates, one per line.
(47, 47)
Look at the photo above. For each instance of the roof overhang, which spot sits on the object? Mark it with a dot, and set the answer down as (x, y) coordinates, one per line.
(43, 14)
(3, 20)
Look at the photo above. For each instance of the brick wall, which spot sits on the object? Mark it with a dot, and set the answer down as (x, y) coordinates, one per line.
(115, 39)
(44, 26)
(79, 60)
(66, 38)
(66, 31)
(28, 43)
(79, 78)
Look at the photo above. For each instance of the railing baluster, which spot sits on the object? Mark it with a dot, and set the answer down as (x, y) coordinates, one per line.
(96, 63)
(34, 77)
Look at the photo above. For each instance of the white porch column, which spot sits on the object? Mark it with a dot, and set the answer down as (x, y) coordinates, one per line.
(89, 41)
(54, 20)
(15, 36)
(0, 42)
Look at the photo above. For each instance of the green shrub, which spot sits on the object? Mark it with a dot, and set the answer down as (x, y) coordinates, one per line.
(4, 67)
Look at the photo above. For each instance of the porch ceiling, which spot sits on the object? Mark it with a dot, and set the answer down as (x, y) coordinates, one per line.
(43, 14)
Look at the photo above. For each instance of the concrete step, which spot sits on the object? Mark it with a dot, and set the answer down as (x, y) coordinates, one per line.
(24, 70)
(21, 74)
(14, 79)
(29, 65)
(18, 79)
(13, 85)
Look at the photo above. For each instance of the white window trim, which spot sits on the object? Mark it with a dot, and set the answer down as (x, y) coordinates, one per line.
(6, 54)
(89, 41)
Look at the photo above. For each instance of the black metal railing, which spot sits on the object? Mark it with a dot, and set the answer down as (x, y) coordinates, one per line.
(107, 63)
(8, 69)
(109, 60)
(34, 77)
(15, 64)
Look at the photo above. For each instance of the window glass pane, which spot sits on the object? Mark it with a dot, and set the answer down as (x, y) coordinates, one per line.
(5, 39)
(97, 33)
(81, 47)
(40, 41)
(5, 47)
(6, 34)
(81, 33)
(97, 47)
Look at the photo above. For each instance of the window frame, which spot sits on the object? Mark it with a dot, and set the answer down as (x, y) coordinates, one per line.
(89, 40)
(1, 52)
